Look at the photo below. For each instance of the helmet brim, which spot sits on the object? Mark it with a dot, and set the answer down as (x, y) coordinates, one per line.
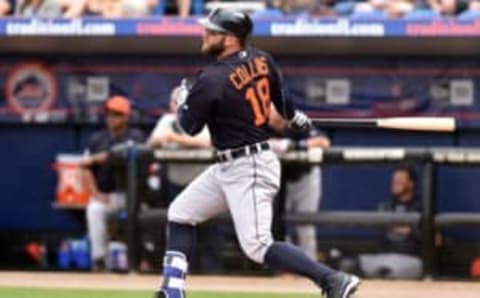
(207, 24)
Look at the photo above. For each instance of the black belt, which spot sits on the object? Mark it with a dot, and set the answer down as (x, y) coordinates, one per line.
(231, 154)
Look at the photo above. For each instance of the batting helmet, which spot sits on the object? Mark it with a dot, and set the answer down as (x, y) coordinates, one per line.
(226, 21)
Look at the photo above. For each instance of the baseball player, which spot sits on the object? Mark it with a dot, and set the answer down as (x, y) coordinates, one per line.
(232, 97)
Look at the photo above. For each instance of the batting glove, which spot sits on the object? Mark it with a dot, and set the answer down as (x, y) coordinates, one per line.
(182, 94)
(300, 121)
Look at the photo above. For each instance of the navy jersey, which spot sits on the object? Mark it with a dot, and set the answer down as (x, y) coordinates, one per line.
(111, 177)
(232, 97)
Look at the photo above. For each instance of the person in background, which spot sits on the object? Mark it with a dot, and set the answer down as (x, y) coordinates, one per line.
(399, 258)
(345, 7)
(6, 7)
(391, 8)
(474, 5)
(322, 8)
(371, 5)
(104, 179)
(448, 7)
(119, 8)
(184, 7)
(472, 11)
(168, 134)
(302, 182)
(399, 8)
(49, 8)
(295, 8)
(93, 8)
(139, 8)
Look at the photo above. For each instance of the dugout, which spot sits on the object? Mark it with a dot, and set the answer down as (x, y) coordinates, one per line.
(429, 220)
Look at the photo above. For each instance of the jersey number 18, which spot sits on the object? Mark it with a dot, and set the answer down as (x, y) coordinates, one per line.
(258, 97)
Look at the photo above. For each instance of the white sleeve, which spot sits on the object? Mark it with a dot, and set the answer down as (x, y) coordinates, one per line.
(163, 124)
(203, 134)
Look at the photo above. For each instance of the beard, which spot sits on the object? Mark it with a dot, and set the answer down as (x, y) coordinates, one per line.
(214, 49)
(400, 195)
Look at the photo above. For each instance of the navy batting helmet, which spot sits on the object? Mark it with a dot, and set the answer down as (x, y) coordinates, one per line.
(226, 21)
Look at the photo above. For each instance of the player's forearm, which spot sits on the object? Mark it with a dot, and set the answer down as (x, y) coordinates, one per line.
(318, 142)
(275, 120)
(97, 158)
(154, 141)
(191, 142)
(296, 119)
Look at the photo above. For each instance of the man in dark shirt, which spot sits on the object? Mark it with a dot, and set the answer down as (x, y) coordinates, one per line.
(232, 97)
(106, 180)
(399, 258)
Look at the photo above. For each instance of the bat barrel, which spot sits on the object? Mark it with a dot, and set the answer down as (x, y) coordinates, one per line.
(437, 124)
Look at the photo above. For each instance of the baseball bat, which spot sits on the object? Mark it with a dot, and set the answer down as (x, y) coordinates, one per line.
(439, 124)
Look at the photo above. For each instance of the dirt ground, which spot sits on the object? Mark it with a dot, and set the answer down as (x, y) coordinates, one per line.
(368, 289)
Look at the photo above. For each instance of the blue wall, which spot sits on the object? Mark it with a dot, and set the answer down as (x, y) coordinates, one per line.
(27, 181)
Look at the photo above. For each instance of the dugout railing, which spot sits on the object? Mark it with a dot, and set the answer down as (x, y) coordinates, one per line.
(426, 158)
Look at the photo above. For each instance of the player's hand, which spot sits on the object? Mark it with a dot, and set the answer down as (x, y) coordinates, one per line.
(300, 121)
(401, 230)
(86, 162)
(96, 158)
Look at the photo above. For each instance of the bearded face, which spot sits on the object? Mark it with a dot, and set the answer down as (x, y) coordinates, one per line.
(213, 43)
(401, 184)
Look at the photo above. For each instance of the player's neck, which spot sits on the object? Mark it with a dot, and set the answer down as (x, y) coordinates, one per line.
(229, 51)
(405, 198)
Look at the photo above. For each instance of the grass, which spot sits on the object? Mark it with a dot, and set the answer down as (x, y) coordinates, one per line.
(73, 293)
